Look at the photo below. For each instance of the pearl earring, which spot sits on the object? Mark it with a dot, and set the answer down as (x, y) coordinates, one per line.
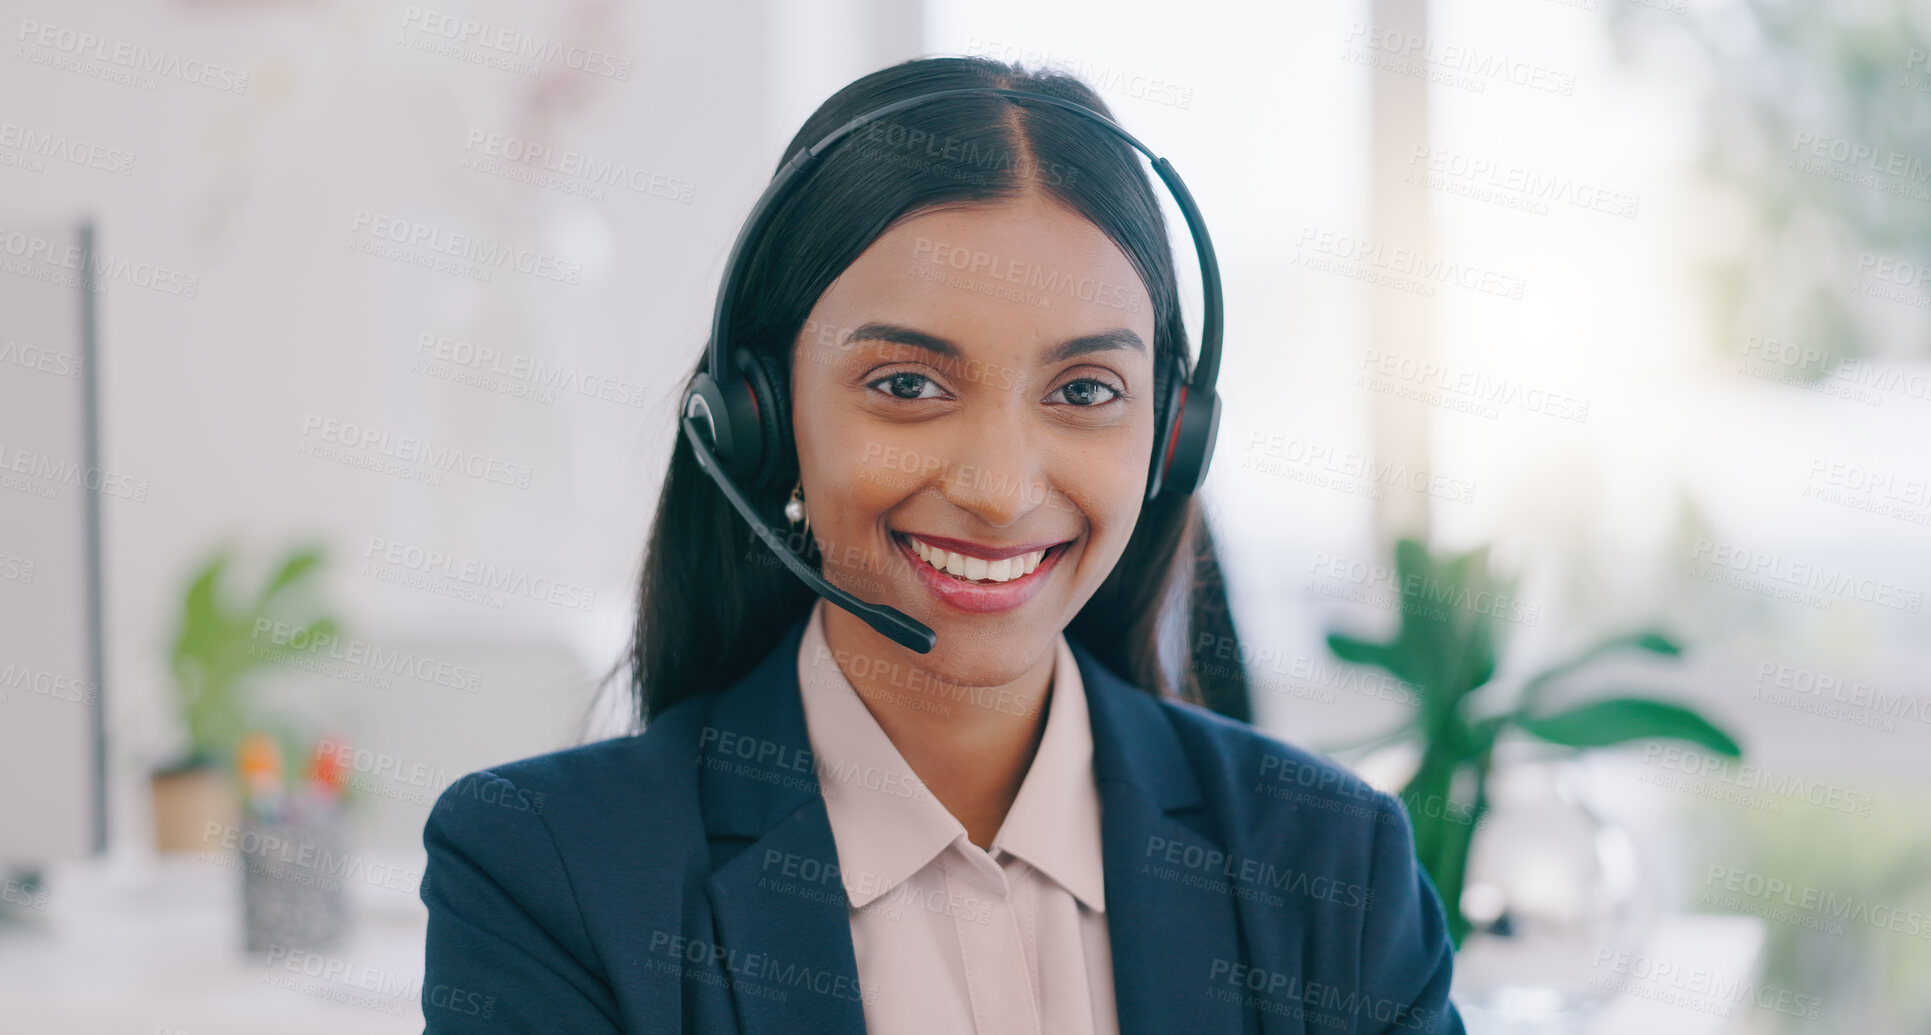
(794, 508)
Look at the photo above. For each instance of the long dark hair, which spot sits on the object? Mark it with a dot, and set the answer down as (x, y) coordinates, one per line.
(712, 602)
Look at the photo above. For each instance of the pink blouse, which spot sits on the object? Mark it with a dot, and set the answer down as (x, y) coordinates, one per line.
(952, 939)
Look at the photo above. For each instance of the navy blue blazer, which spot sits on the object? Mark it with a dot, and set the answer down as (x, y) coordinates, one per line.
(685, 880)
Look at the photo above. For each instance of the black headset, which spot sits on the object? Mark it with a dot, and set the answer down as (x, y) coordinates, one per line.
(736, 414)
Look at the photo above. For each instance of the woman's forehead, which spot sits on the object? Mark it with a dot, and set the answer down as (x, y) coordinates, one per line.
(1015, 275)
(1030, 229)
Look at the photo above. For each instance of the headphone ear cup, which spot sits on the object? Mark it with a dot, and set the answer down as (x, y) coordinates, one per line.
(1166, 414)
(771, 385)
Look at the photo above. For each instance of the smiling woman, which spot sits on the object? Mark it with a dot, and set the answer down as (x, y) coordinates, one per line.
(963, 249)
(958, 368)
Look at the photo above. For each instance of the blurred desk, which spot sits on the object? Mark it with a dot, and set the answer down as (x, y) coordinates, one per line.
(1688, 979)
(156, 948)
(1696, 974)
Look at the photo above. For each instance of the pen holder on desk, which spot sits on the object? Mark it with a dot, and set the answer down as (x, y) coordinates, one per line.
(293, 875)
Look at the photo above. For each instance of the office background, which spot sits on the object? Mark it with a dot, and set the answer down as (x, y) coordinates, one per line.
(1633, 294)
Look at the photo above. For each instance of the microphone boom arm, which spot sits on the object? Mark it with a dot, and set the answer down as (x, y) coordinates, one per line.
(890, 622)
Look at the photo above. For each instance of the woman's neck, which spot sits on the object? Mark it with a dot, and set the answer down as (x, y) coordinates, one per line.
(970, 746)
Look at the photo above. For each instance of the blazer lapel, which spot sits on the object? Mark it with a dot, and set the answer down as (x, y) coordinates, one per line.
(1171, 919)
(783, 938)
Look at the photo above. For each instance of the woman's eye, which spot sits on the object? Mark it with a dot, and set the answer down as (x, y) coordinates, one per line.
(907, 385)
(910, 386)
(1083, 392)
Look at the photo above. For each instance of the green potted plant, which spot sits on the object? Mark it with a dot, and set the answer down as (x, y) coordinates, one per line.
(1445, 651)
(221, 641)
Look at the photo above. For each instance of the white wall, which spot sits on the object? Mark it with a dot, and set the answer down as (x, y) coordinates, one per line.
(255, 194)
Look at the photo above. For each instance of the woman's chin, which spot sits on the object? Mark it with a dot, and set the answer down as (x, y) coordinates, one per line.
(980, 657)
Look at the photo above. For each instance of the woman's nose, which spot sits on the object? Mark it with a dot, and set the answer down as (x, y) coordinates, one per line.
(998, 469)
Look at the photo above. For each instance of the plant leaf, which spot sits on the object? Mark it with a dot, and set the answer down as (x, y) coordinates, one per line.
(1649, 640)
(1616, 720)
(1361, 652)
(295, 567)
(1657, 643)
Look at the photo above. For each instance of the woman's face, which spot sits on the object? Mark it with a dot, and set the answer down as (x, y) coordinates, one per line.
(978, 381)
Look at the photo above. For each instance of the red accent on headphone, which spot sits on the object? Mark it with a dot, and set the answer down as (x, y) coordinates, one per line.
(1179, 410)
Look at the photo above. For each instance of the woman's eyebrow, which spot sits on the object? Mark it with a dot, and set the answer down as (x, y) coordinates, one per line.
(1117, 338)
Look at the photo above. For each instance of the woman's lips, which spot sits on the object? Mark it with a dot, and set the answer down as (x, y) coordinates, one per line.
(980, 597)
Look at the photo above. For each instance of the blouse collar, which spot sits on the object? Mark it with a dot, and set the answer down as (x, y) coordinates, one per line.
(888, 826)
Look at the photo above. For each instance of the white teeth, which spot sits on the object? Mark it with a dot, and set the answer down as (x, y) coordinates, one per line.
(977, 568)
